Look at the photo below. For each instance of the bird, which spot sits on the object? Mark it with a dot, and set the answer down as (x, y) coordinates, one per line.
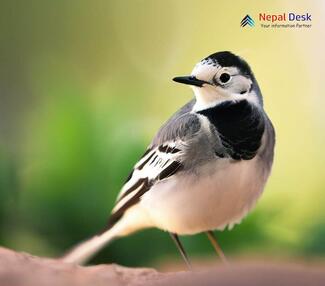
(204, 169)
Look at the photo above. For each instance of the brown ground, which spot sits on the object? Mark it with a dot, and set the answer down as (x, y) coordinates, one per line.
(20, 269)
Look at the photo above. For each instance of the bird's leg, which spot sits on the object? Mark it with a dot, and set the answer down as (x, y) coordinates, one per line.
(180, 247)
(217, 247)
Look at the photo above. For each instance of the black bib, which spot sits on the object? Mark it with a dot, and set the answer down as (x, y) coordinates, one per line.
(240, 125)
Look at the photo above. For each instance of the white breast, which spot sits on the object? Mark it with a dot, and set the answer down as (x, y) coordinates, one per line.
(218, 194)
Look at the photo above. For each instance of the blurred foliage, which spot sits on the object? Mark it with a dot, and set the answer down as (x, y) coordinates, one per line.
(84, 85)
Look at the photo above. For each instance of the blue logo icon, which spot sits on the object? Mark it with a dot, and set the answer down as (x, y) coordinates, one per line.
(247, 20)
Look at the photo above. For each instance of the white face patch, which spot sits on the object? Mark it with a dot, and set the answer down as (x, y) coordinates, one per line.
(237, 88)
(205, 71)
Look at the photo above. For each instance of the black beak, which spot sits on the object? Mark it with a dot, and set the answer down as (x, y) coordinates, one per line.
(191, 80)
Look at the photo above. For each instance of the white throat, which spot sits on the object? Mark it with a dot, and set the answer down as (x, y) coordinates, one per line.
(209, 96)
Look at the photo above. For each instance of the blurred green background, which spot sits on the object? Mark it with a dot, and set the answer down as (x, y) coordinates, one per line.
(84, 85)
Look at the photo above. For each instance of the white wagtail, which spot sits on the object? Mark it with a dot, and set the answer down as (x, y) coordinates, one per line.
(205, 168)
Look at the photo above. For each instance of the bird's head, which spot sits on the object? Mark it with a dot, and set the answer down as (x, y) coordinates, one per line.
(220, 77)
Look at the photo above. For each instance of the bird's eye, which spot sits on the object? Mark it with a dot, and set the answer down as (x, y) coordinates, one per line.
(224, 77)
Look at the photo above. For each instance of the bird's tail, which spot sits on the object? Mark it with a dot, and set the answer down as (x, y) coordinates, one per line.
(133, 220)
(87, 249)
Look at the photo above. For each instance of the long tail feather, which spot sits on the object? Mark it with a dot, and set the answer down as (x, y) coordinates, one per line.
(86, 250)
(132, 220)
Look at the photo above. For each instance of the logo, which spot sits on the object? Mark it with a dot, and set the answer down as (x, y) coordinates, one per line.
(278, 20)
(247, 20)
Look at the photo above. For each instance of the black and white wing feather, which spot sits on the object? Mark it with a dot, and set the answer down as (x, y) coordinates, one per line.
(162, 160)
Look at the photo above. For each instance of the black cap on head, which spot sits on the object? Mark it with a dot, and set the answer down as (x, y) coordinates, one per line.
(228, 59)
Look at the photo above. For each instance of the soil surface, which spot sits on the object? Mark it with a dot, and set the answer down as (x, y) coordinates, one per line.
(18, 269)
